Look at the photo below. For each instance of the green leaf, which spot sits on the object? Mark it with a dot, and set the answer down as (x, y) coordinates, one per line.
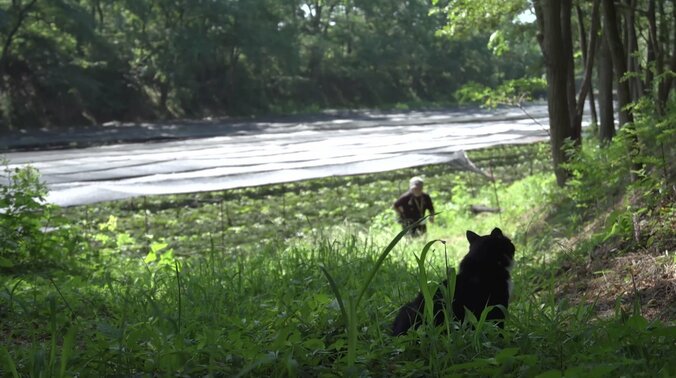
(9, 365)
(5, 262)
(67, 350)
(150, 257)
(124, 239)
(157, 246)
(506, 354)
(637, 322)
(167, 258)
(313, 344)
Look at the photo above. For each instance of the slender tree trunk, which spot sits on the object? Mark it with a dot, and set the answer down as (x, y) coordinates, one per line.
(99, 10)
(232, 79)
(618, 57)
(5, 114)
(592, 104)
(551, 42)
(635, 84)
(164, 97)
(584, 47)
(605, 81)
(667, 83)
(567, 45)
(654, 58)
(588, 68)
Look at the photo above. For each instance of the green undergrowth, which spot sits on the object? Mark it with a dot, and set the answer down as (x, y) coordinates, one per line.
(304, 280)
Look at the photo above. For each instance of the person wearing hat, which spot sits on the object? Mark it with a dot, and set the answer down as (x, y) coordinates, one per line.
(412, 205)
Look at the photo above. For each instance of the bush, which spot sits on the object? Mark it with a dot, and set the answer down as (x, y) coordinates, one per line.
(511, 92)
(602, 174)
(29, 232)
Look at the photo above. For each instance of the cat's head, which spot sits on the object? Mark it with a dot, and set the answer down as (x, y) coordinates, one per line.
(495, 247)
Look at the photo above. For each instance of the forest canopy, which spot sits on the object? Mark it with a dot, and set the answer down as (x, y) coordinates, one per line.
(84, 62)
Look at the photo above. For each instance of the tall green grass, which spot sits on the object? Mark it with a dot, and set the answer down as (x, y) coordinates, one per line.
(306, 298)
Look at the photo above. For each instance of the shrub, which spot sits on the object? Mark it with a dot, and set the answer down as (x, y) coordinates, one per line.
(29, 232)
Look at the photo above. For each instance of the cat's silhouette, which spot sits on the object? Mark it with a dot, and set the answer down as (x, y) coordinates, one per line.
(482, 280)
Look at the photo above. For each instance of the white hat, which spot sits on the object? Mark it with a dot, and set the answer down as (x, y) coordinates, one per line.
(415, 181)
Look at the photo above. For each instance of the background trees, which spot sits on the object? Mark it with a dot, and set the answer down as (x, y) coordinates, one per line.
(635, 46)
(79, 62)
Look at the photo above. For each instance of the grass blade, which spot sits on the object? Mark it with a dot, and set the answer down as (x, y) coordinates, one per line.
(350, 315)
(9, 365)
(383, 255)
(422, 276)
(66, 350)
(449, 295)
(336, 291)
(53, 329)
(352, 334)
(178, 285)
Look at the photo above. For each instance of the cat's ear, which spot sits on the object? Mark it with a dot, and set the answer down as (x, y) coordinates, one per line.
(496, 232)
(472, 237)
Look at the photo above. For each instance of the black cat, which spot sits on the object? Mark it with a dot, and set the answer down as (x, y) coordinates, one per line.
(483, 280)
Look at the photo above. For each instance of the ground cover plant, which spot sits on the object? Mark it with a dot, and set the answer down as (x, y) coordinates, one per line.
(305, 279)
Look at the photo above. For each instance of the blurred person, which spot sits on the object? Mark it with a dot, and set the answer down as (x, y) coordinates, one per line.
(411, 206)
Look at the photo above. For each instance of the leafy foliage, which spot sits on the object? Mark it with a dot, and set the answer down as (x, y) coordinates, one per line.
(601, 173)
(29, 229)
(511, 92)
(89, 62)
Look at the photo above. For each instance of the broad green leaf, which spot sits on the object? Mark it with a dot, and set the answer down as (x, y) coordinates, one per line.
(150, 257)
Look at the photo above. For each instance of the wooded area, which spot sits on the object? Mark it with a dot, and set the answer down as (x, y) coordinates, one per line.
(636, 44)
(636, 63)
(73, 62)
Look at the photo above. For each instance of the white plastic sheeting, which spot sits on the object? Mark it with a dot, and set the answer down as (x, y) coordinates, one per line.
(276, 152)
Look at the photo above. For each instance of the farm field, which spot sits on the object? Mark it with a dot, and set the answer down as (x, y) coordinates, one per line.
(252, 282)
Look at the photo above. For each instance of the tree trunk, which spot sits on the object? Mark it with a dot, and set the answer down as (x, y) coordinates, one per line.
(584, 47)
(588, 68)
(551, 42)
(567, 45)
(592, 104)
(605, 80)
(654, 58)
(666, 85)
(231, 92)
(5, 113)
(164, 95)
(618, 57)
(635, 84)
